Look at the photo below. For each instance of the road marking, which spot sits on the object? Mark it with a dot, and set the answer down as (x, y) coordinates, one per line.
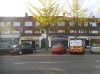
(38, 62)
(97, 67)
(98, 61)
(53, 69)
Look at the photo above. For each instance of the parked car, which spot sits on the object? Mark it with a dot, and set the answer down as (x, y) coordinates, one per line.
(95, 48)
(21, 49)
(4, 48)
(58, 49)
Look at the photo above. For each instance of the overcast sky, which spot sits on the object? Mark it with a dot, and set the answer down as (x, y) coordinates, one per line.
(17, 7)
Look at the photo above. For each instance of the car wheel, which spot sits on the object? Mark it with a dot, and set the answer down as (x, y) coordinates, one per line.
(20, 52)
(52, 52)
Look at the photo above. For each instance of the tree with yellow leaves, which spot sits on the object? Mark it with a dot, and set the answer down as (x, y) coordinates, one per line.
(46, 16)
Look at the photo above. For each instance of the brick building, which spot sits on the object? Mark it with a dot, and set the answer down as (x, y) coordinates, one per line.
(15, 30)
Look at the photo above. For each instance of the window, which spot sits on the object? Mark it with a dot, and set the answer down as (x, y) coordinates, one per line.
(6, 32)
(61, 31)
(80, 24)
(5, 24)
(71, 24)
(94, 31)
(93, 24)
(28, 31)
(37, 31)
(2, 23)
(15, 32)
(72, 31)
(85, 23)
(61, 24)
(81, 31)
(16, 23)
(51, 31)
(8, 24)
(28, 23)
(37, 24)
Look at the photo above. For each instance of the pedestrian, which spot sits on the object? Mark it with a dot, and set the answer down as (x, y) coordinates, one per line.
(33, 46)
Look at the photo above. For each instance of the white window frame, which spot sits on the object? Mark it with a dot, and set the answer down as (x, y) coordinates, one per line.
(79, 23)
(61, 31)
(16, 24)
(61, 24)
(16, 32)
(93, 24)
(71, 23)
(86, 24)
(81, 31)
(51, 31)
(28, 31)
(37, 24)
(28, 23)
(2, 23)
(94, 31)
(37, 31)
(72, 31)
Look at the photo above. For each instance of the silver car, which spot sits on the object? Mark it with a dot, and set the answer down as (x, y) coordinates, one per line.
(95, 48)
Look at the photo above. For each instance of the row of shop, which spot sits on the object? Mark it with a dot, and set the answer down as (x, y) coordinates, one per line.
(39, 41)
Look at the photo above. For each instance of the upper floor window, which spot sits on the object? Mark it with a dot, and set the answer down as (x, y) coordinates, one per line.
(93, 24)
(8, 24)
(61, 31)
(85, 23)
(61, 24)
(28, 31)
(71, 23)
(37, 31)
(6, 32)
(16, 23)
(51, 31)
(81, 31)
(37, 24)
(2, 23)
(94, 31)
(28, 23)
(72, 31)
(15, 32)
(80, 24)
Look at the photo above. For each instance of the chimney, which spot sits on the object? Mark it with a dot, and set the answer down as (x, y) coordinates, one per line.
(26, 15)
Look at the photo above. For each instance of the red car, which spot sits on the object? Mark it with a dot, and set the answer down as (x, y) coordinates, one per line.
(58, 49)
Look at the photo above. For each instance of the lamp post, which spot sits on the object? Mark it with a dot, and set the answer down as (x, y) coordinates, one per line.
(20, 33)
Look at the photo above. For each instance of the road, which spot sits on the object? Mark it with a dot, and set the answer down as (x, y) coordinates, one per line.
(50, 64)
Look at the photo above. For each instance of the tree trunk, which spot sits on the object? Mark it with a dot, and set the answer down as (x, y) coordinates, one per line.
(47, 42)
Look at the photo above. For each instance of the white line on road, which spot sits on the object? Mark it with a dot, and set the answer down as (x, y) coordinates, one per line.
(98, 61)
(38, 62)
(53, 69)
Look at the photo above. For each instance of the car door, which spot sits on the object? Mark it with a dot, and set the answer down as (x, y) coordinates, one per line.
(27, 48)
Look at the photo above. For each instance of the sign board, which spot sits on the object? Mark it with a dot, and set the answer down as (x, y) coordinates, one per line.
(75, 42)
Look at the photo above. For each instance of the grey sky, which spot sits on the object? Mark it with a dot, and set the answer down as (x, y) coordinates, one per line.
(17, 8)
